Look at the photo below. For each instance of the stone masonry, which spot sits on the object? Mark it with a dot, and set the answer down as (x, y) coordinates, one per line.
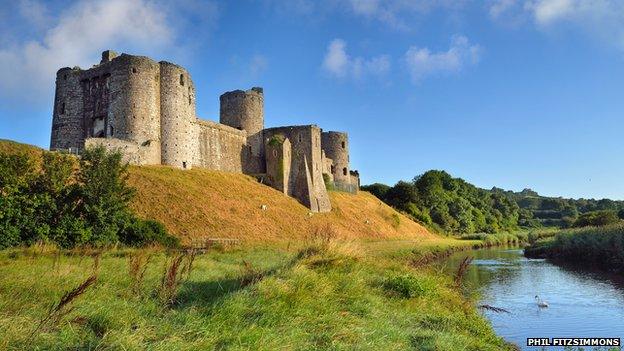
(146, 110)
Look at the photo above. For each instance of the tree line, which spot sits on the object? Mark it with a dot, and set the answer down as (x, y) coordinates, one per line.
(452, 205)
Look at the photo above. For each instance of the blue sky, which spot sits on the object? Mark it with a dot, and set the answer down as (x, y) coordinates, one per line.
(507, 93)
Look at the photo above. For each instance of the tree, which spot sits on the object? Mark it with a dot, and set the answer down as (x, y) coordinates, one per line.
(377, 189)
(597, 218)
(103, 194)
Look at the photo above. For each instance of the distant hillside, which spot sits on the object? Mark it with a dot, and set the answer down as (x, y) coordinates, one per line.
(198, 203)
(539, 210)
(453, 205)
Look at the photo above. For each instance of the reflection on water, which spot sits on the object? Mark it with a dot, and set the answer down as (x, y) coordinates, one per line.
(582, 304)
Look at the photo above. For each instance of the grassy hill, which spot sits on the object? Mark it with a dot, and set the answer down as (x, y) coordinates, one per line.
(197, 204)
(200, 203)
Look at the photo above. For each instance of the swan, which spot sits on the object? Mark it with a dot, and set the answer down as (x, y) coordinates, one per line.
(540, 302)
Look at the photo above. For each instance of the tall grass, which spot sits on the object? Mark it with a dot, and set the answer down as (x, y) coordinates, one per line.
(334, 297)
(504, 239)
(602, 247)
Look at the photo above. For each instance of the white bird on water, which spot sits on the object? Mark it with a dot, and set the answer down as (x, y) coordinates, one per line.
(540, 302)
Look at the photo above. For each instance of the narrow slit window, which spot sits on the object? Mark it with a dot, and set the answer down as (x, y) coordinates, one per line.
(343, 144)
(181, 79)
(344, 171)
(62, 108)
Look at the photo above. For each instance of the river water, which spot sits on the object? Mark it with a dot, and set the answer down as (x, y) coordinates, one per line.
(581, 303)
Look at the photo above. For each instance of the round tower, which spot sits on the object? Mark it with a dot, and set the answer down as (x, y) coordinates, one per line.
(336, 147)
(134, 113)
(67, 121)
(177, 103)
(244, 110)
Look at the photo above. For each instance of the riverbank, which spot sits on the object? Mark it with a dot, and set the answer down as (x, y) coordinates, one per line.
(326, 294)
(601, 247)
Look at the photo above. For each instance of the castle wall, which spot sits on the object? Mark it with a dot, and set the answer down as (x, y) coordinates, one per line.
(327, 164)
(132, 152)
(220, 147)
(278, 163)
(244, 110)
(67, 121)
(306, 179)
(336, 147)
(180, 141)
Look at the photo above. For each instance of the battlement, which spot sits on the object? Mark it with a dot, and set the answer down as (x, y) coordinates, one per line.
(146, 110)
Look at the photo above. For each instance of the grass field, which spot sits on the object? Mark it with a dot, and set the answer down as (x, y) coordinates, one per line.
(327, 295)
(354, 278)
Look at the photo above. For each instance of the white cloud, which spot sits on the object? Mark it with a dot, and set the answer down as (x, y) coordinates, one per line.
(602, 19)
(78, 35)
(336, 60)
(35, 12)
(421, 62)
(548, 11)
(339, 64)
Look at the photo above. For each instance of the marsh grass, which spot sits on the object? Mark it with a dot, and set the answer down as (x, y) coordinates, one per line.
(177, 269)
(461, 270)
(137, 266)
(601, 247)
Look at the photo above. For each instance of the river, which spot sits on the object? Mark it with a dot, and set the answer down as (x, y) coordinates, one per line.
(581, 303)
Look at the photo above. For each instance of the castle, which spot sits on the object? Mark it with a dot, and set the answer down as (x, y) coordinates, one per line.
(146, 110)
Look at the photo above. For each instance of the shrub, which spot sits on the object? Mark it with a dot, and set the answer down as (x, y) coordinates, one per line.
(147, 232)
(50, 199)
(597, 218)
(406, 286)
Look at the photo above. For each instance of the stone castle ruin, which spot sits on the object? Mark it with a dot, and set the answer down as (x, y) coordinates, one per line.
(146, 110)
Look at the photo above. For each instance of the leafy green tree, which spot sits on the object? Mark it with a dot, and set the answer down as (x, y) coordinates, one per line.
(597, 218)
(103, 194)
(377, 189)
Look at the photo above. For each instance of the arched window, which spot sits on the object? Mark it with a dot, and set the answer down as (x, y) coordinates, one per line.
(344, 171)
(343, 144)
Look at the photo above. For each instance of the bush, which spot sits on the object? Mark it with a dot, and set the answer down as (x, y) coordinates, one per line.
(406, 286)
(50, 199)
(597, 218)
(147, 232)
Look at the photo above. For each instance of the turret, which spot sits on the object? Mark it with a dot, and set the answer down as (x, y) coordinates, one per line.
(244, 110)
(336, 147)
(177, 103)
(67, 120)
(134, 110)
